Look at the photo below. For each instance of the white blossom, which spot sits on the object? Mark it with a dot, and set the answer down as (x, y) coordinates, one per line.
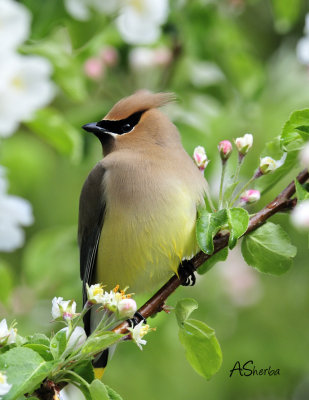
(138, 332)
(7, 335)
(95, 293)
(302, 48)
(65, 309)
(77, 338)
(14, 25)
(24, 87)
(14, 213)
(268, 164)
(4, 385)
(140, 20)
(300, 215)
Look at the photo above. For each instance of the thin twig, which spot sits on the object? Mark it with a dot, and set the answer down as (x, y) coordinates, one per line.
(281, 203)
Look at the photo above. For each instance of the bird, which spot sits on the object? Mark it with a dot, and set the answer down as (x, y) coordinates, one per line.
(138, 205)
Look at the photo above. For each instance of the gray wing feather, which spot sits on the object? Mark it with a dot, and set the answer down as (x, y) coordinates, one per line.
(91, 218)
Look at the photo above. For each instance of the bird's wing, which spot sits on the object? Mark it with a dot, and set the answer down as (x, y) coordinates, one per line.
(91, 217)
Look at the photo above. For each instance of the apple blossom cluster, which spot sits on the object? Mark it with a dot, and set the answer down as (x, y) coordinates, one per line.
(15, 212)
(115, 305)
(138, 22)
(7, 335)
(243, 145)
(25, 84)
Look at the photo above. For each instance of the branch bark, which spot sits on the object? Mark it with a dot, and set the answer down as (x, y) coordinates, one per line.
(282, 202)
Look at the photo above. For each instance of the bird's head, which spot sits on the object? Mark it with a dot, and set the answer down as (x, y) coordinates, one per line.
(134, 113)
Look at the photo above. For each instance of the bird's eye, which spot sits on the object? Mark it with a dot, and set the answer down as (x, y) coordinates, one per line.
(126, 128)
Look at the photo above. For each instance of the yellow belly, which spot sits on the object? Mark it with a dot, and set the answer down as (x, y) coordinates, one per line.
(142, 249)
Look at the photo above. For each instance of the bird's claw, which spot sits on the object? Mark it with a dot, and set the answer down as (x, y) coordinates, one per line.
(186, 272)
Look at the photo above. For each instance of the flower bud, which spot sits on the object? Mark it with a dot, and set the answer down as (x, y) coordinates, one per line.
(94, 68)
(304, 156)
(77, 338)
(7, 335)
(244, 143)
(250, 196)
(225, 149)
(300, 215)
(126, 308)
(63, 309)
(267, 165)
(200, 158)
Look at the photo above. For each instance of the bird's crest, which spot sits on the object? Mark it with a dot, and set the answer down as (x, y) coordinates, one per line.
(140, 101)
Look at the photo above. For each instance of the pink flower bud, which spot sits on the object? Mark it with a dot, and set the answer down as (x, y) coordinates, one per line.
(109, 56)
(200, 158)
(94, 68)
(126, 308)
(225, 149)
(250, 196)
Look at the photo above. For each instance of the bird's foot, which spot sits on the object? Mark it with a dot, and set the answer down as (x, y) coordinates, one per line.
(136, 319)
(186, 272)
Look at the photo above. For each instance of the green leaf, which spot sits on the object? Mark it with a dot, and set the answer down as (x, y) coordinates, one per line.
(98, 390)
(99, 342)
(301, 192)
(51, 126)
(85, 370)
(238, 220)
(208, 224)
(296, 130)
(25, 370)
(268, 249)
(202, 348)
(58, 343)
(217, 257)
(112, 394)
(38, 338)
(41, 349)
(183, 310)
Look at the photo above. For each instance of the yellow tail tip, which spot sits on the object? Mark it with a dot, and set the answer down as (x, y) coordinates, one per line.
(98, 372)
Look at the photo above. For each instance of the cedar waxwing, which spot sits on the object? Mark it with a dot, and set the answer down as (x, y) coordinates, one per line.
(138, 206)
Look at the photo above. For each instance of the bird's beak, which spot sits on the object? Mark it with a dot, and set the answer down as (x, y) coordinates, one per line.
(94, 128)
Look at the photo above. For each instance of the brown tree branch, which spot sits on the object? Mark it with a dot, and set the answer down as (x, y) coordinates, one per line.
(281, 203)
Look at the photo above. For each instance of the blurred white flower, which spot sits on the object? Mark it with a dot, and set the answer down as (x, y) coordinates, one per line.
(24, 87)
(241, 282)
(300, 215)
(14, 211)
(65, 309)
(139, 20)
(14, 25)
(304, 156)
(143, 57)
(7, 335)
(4, 385)
(81, 9)
(302, 48)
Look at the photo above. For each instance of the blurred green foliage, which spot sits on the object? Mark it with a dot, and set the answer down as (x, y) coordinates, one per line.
(237, 73)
